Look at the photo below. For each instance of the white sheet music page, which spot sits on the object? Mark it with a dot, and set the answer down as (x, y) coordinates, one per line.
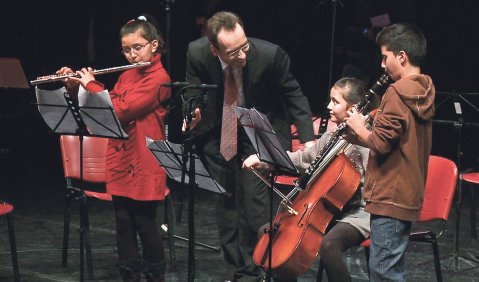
(95, 113)
(53, 108)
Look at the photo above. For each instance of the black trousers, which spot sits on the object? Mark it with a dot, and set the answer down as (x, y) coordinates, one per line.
(138, 217)
(336, 241)
(239, 216)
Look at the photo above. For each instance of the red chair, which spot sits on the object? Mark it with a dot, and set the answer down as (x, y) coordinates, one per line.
(471, 178)
(296, 145)
(94, 160)
(94, 174)
(438, 195)
(6, 209)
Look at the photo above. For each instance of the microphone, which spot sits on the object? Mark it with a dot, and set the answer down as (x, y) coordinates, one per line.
(190, 85)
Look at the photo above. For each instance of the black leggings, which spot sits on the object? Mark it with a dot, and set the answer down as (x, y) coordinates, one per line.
(134, 217)
(340, 238)
(337, 240)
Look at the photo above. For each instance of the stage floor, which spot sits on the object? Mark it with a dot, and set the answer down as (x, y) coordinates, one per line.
(38, 219)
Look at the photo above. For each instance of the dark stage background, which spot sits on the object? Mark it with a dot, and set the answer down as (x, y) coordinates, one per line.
(46, 35)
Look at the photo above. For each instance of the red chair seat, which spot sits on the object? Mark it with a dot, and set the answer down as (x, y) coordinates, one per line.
(472, 177)
(5, 208)
(366, 243)
(285, 180)
(98, 195)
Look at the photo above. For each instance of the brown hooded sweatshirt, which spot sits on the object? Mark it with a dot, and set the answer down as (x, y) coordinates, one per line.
(400, 144)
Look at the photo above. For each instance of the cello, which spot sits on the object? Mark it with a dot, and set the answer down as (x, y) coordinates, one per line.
(321, 194)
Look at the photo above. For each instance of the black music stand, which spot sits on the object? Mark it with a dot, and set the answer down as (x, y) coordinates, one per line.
(184, 166)
(458, 124)
(269, 149)
(92, 115)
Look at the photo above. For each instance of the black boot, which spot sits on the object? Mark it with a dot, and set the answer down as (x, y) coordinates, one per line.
(154, 272)
(130, 272)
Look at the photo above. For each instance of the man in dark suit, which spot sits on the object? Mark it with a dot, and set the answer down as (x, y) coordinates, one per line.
(249, 73)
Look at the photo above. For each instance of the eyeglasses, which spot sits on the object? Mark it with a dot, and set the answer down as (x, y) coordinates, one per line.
(233, 54)
(133, 49)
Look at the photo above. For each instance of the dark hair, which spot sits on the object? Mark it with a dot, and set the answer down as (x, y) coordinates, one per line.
(355, 92)
(404, 37)
(149, 30)
(221, 20)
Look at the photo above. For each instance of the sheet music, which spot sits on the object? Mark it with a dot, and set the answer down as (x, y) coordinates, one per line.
(93, 107)
(264, 139)
(96, 110)
(169, 157)
(53, 108)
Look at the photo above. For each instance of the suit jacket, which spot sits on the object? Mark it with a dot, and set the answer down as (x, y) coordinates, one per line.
(268, 86)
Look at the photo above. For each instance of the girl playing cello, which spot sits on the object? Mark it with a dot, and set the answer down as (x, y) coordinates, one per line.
(353, 225)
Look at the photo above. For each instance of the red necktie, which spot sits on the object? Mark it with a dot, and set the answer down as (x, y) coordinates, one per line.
(229, 127)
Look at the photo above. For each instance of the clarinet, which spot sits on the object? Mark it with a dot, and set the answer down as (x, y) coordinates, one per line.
(336, 143)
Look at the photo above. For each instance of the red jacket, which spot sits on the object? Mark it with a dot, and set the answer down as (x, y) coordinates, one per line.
(132, 170)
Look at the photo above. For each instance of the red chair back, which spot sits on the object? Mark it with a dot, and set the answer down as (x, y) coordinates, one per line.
(295, 143)
(439, 191)
(94, 157)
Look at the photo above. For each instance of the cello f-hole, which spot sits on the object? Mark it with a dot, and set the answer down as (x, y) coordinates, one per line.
(306, 209)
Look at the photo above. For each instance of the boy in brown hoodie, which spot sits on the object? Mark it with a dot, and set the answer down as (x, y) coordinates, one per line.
(399, 143)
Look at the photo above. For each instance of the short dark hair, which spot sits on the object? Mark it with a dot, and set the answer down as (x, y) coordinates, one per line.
(221, 20)
(404, 37)
(148, 26)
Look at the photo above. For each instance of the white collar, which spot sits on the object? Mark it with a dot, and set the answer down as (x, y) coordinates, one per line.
(223, 64)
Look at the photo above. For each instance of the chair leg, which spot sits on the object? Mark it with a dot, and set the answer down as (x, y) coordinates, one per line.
(13, 248)
(170, 221)
(366, 253)
(319, 277)
(86, 236)
(66, 227)
(473, 212)
(437, 260)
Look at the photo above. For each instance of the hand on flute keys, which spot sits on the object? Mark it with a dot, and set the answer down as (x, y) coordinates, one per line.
(86, 75)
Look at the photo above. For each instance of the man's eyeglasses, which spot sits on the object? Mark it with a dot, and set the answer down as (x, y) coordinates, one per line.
(135, 48)
(233, 54)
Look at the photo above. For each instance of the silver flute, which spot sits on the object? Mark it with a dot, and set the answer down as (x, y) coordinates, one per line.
(56, 77)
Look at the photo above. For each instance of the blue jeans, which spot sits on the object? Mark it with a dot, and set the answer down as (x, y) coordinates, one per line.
(389, 239)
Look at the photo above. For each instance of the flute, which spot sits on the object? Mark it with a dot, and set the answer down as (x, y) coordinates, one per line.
(56, 77)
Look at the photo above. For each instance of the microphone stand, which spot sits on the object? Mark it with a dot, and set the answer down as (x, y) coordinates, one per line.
(331, 52)
(168, 4)
(333, 28)
(455, 258)
(187, 118)
(458, 125)
(189, 113)
(188, 156)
